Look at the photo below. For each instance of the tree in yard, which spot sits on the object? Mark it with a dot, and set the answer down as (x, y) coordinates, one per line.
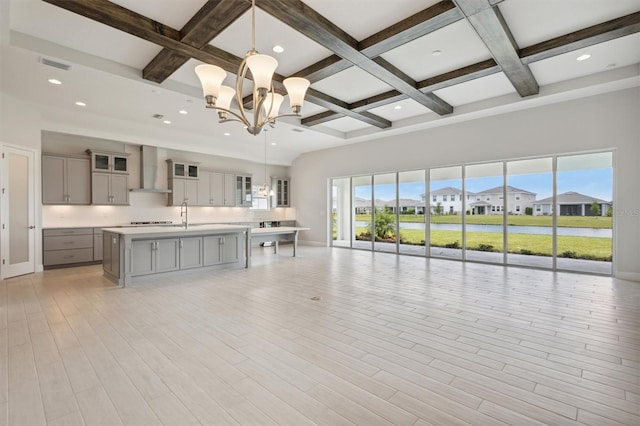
(437, 210)
(384, 224)
(595, 208)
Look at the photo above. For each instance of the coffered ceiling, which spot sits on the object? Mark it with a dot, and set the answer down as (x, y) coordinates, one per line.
(377, 67)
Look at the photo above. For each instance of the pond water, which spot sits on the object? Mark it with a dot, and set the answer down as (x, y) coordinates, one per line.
(536, 230)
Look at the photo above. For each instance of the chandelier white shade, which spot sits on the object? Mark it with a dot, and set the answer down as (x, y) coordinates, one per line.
(266, 102)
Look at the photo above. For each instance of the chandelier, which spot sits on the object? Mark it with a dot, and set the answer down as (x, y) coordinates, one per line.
(266, 102)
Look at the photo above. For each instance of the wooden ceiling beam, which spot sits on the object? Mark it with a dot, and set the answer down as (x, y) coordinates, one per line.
(461, 75)
(418, 25)
(323, 117)
(415, 26)
(492, 29)
(126, 20)
(606, 31)
(212, 18)
(310, 23)
(343, 108)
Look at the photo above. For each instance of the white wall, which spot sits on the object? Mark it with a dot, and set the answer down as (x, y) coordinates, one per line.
(608, 121)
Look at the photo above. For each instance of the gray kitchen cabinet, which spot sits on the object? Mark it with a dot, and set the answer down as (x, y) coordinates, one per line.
(109, 188)
(109, 162)
(229, 189)
(183, 190)
(243, 191)
(204, 188)
(111, 254)
(65, 180)
(211, 188)
(97, 244)
(183, 169)
(65, 246)
(191, 252)
(154, 256)
(282, 189)
(221, 249)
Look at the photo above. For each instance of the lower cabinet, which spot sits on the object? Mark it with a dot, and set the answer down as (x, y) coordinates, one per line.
(97, 244)
(220, 249)
(66, 246)
(155, 256)
(111, 254)
(191, 254)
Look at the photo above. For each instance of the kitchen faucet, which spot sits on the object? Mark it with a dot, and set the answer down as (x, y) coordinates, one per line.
(183, 214)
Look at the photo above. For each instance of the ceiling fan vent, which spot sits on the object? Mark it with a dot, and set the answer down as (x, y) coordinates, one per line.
(55, 64)
(158, 116)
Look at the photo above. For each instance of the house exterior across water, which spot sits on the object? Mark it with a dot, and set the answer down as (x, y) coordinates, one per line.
(572, 204)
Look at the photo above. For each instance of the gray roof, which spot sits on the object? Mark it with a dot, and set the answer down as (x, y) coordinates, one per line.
(448, 190)
(571, 197)
(510, 189)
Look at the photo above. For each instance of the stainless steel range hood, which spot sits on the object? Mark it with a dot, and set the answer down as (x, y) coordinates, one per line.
(149, 171)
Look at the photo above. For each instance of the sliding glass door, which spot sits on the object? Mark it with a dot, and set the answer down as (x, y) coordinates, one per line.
(529, 226)
(553, 212)
(412, 213)
(585, 212)
(384, 229)
(484, 228)
(362, 212)
(446, 204)
(341, 212)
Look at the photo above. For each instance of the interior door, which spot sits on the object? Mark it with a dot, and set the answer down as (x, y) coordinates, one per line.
(17, 231)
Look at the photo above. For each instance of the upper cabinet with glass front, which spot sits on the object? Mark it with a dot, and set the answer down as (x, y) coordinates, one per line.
(110, 162)
(183, 170)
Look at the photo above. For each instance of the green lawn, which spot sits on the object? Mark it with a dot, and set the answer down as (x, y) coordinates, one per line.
(580, 247)
(516, 220)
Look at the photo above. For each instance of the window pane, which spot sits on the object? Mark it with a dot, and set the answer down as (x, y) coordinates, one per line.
(384, 217)
(412, 196)
(340, 212)
(530, 224)
(362, 212)
(585, 212)
(445, 227)
(484, 224)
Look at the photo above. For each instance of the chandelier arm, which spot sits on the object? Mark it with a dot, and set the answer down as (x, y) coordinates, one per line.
(235, 114)
(242, 72)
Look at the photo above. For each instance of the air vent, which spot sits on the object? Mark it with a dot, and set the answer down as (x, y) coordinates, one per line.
(297, 130)
(158, 116)
(54, 64)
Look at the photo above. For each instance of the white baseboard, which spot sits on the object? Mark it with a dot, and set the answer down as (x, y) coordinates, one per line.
(628, 276)
(312, 243)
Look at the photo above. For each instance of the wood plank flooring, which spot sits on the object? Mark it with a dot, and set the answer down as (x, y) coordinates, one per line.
(392, 340)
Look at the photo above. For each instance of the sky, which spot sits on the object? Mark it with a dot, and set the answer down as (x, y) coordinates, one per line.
(591, 182)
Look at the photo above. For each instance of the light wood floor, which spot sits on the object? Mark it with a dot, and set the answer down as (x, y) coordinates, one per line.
(392, 340)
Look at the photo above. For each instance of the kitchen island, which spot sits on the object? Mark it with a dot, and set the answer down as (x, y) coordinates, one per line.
(130, 253)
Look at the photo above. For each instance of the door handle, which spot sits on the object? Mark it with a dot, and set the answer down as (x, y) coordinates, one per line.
(32, 227)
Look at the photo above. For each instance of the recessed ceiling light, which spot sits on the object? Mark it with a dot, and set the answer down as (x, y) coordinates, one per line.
(54, 81)
(397, 107)
(183, 112)
(167, 121)
(274, 143)
(80, 103)
(436, 53)
(278, 49)
(227, 134)
(611, 65)
(583, 57)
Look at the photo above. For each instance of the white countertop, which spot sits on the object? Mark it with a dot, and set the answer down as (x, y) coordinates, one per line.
(277, 230)
(147, 230)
